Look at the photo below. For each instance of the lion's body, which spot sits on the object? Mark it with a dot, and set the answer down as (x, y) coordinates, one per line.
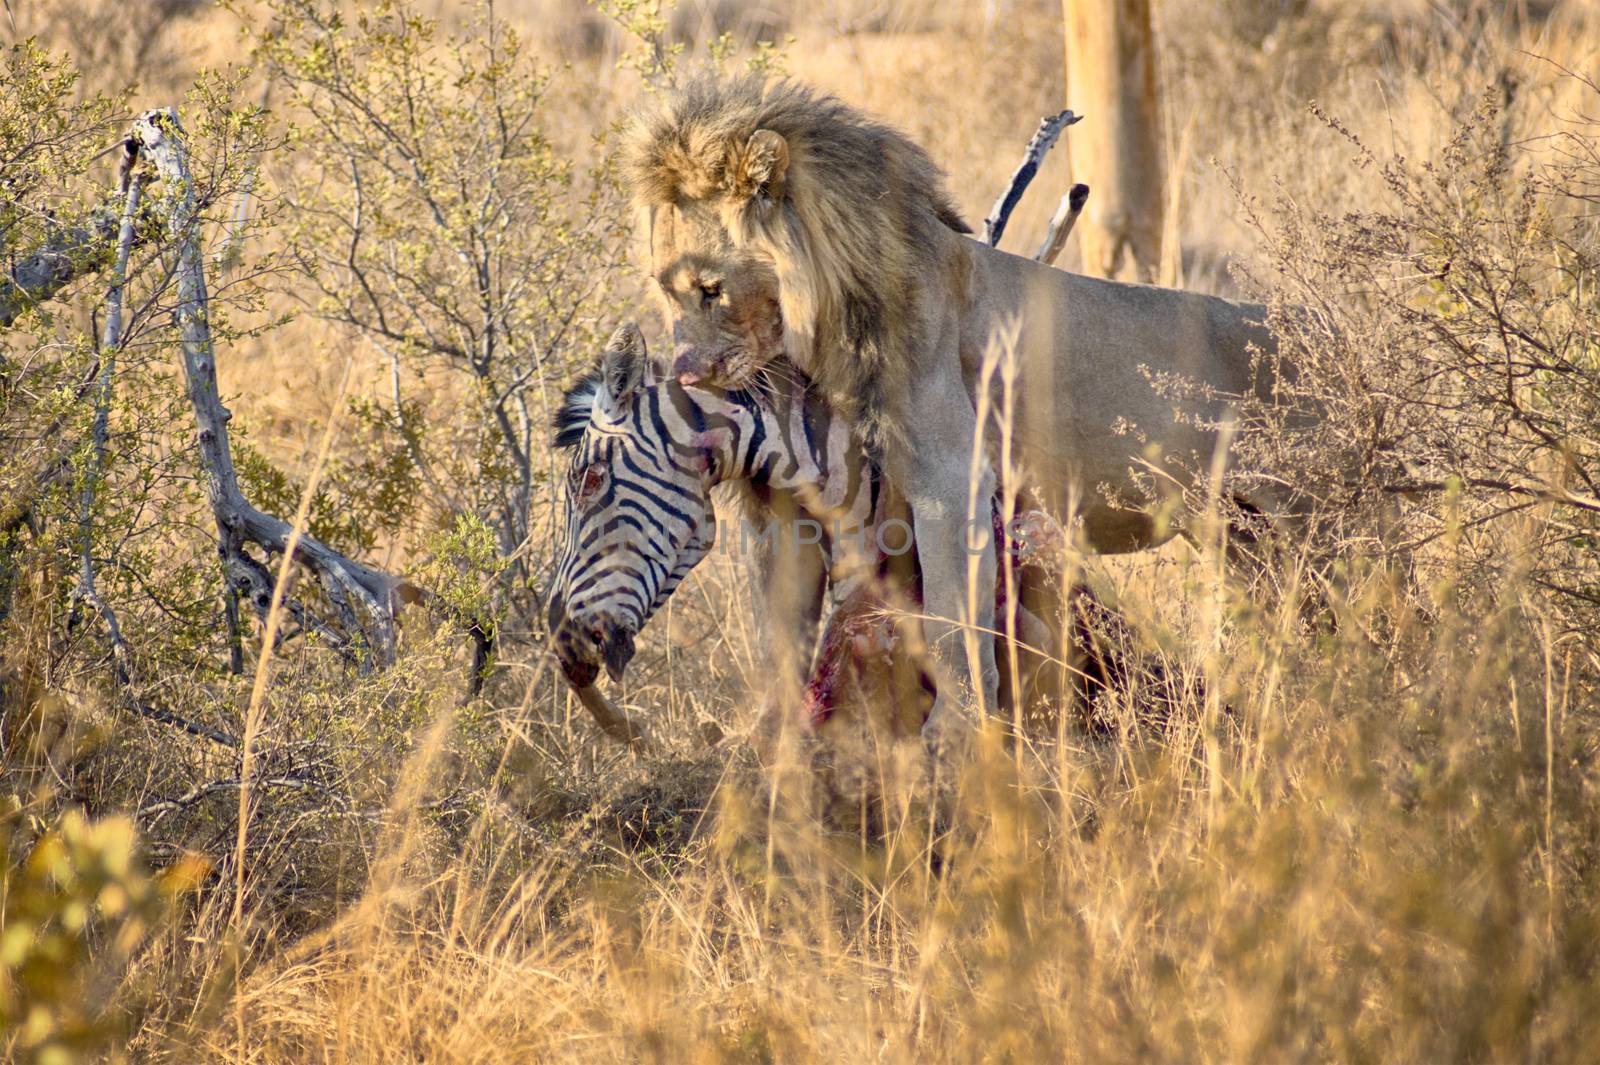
(773, 196)
(1083, 346)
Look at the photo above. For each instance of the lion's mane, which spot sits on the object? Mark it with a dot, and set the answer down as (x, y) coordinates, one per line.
(855, 233)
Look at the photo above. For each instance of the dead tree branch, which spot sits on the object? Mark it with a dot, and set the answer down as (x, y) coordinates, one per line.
(111, 341)
(1043, 140)
(1061, 223)
(365, 599)
(70, 252)
(232, 247)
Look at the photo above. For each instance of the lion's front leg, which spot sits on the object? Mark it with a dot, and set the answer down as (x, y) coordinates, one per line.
(933, 467)
(791, 579)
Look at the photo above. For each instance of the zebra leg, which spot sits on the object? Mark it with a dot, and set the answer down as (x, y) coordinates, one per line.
(1033, 636)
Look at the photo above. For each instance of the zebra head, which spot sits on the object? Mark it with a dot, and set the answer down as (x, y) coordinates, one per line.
(638, 508)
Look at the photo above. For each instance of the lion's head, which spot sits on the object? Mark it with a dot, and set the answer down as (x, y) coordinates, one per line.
(723, 308)
(782, 221)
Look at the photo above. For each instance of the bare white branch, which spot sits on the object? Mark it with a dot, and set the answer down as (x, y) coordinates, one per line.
(1039, 145)
(1061, 223)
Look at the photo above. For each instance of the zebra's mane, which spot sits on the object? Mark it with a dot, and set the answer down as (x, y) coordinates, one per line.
(577, 409)
(769, 387)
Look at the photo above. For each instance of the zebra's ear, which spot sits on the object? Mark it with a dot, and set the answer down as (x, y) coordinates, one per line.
(622, 366)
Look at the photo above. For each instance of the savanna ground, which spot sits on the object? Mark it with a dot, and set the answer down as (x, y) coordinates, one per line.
(1365, 832)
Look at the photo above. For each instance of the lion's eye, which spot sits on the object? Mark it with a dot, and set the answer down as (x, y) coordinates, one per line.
(709, 293)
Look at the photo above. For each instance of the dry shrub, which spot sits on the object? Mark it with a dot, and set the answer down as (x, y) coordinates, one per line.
(1447, 364)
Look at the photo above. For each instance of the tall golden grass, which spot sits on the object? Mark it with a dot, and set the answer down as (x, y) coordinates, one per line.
(1335, 847)
(1372, 836)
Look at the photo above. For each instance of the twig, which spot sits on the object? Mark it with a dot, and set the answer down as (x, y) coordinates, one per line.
(17, 507)
(1061, 223)
(160, 808)
(1532, 491)
(1043, 140)
(121, 673)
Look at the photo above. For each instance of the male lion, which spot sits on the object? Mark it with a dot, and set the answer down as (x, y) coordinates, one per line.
(781, 220)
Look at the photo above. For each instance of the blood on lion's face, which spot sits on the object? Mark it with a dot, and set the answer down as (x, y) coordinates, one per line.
(721, 302)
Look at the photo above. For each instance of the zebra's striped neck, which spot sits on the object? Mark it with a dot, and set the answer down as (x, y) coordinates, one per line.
(781, 436)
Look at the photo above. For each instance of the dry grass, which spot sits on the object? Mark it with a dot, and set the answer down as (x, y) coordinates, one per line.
(1332, 849)
(1373, 839)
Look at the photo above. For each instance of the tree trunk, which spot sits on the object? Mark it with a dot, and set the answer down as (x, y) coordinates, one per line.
(1111, 81)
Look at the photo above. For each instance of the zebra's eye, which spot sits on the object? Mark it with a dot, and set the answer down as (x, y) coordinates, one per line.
(588, 483)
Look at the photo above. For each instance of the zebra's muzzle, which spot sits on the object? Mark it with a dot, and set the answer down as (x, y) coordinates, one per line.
(617, 649)
(583, 646)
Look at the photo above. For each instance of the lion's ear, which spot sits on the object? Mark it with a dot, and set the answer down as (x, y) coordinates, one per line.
(765, 163)
(622, 365)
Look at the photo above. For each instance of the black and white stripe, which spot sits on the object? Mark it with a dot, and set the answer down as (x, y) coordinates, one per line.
(644, 457)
